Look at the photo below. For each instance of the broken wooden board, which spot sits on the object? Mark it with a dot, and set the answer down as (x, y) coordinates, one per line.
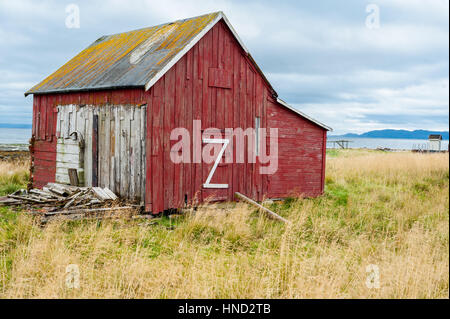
(56, 196)
(267, 211)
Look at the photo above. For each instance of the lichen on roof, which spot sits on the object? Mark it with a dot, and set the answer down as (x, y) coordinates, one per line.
(128, 59)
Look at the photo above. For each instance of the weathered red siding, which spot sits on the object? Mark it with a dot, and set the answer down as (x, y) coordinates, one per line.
(301, 151)
(215, 82)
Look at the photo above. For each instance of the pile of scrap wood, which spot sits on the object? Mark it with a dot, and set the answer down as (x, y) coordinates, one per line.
(64, 201)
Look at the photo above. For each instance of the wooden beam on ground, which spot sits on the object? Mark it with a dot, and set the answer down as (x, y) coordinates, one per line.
(88, 210)
(269, 213)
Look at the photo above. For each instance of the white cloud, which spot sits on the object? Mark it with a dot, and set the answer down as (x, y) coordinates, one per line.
(319, 56)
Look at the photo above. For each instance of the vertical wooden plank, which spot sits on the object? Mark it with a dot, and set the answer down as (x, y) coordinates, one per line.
(107, 152)
(48, 117)
(118, 149)
(89, 117)
(158, 160)
(324, 157)
(133, 127)
(143, 141)
(39, 116)
(112, 146)
(264, 125)
(122, 137)
(258, 102)
(126, 159)
(65, 132)
(205, 111)
(80, 129)
(55, 116)
(219, 106)
(189, 179)
(178, 122)
(249, 123)
(183, 121)
(169, 96)
(236, 114)
(58, 121)
(34, 121)
(197, 107)
(252, 124)
(38, 119)
(148, 153)
(124, 147)
(73, 126)
(101, 146)
(43, 115)
(242, 121)
(228, 100)
(95, 151)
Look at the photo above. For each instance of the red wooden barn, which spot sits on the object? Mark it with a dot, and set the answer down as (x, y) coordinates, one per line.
(109, 113)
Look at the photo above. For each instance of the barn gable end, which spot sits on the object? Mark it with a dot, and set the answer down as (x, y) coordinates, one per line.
(217, 83)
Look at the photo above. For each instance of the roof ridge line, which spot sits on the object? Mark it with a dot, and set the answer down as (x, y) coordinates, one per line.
(161, 24)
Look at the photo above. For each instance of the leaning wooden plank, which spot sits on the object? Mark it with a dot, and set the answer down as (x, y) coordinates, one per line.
(98, 192)
(42, 193)
(42, 198)
(25, 198)
(46, 189)
(63, 187)
(57, 190)
(73, 176)
(92, 202)
(88, 210)
(46, 219)
(72, 200)
(20, 192)
(108, 192)
(269, 213)
(11, 202)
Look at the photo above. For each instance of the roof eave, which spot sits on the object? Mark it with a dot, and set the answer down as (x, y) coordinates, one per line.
(72, 90)
(304, 115)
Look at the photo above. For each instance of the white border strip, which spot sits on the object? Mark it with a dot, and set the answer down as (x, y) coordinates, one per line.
(303, 114)
(234, 32)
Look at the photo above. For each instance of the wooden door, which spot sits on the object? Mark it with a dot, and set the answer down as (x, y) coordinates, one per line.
(72, 121)
(106, 144)
(121, 149)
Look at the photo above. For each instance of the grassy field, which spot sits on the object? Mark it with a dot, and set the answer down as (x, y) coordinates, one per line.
(390, 210)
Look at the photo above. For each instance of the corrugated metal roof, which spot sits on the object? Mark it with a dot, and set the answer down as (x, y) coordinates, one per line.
(129, 59)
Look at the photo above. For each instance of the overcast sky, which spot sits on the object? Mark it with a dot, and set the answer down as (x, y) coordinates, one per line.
(330, 59)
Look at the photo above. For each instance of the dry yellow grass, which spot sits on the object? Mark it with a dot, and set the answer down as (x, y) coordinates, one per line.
(386, 209)
(13, 175)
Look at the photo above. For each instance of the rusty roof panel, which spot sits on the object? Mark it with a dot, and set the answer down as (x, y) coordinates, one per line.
(127, 59)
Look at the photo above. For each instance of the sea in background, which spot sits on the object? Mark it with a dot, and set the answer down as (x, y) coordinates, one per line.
(392, 143)
(14, 138)
(17, 139)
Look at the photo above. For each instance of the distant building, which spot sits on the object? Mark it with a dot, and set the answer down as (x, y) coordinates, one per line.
(435, 142)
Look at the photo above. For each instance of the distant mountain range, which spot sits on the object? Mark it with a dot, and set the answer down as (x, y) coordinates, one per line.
(400, 134)
(8, 125)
